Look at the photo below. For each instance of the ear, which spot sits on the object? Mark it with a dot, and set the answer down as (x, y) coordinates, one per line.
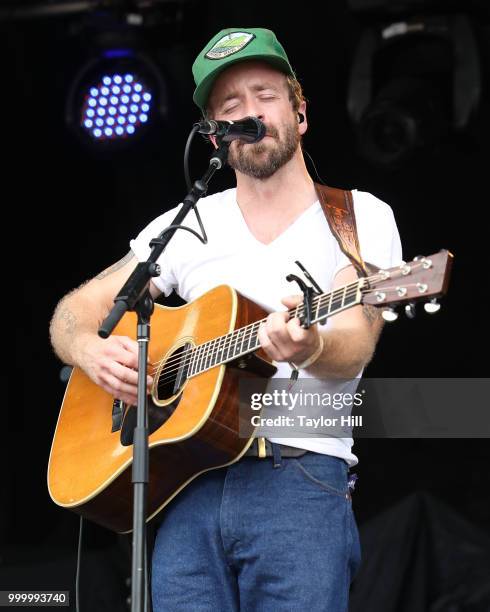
(303, 126)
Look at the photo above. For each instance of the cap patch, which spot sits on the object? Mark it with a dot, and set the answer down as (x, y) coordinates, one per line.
(229, 44)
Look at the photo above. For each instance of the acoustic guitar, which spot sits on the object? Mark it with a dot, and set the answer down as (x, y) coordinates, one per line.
(198, 353)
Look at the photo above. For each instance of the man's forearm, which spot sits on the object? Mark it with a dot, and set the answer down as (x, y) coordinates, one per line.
(75, 316)
(345, 352)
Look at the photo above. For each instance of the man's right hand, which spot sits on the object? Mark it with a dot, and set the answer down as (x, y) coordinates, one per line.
(112, 364)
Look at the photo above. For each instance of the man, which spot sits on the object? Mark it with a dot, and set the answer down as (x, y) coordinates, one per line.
(260, 534)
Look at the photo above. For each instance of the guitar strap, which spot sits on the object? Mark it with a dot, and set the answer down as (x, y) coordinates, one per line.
(338, 207)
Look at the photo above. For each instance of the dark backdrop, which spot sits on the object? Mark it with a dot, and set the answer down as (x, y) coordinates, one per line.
(77, 211)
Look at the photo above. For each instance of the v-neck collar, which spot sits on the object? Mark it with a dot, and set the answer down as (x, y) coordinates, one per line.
(299, 219)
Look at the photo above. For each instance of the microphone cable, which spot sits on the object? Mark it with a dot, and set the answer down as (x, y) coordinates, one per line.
(190, 138)
(314, 167)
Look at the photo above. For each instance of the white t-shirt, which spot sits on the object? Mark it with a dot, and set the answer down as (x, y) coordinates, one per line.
(233, 256)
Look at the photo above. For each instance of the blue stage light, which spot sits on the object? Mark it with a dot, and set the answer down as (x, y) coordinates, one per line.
(115, 97)
(109, 116)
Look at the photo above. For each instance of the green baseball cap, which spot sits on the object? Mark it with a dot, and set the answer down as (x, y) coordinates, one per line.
(231, 46)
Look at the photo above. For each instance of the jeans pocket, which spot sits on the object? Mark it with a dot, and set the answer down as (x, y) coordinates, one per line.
(326, 472)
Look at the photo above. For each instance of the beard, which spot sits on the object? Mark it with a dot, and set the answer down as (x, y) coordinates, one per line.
(262, 159)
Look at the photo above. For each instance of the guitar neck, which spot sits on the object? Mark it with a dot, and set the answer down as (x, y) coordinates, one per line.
(244, 340)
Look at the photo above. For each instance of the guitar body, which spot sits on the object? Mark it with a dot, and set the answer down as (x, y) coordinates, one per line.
(193, 429)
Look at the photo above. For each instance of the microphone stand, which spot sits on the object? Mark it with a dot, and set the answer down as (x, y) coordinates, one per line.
(135, 296)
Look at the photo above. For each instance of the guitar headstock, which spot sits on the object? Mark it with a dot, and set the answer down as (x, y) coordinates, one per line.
(424, 278)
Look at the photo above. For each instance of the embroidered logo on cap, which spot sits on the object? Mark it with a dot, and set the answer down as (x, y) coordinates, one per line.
(229, 44)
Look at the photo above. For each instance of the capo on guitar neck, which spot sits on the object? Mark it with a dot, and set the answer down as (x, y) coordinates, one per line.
(308, 292)
(317, 287)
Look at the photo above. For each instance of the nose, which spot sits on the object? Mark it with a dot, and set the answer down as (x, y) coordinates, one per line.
(252, 109)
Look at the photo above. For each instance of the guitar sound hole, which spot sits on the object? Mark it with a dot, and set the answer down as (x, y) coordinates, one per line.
(170, 381)
(174, 373)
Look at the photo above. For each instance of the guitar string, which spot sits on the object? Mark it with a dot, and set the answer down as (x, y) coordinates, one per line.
(202, 360)
(224, 342)
(238, 336)
(248, 331)
(209, 355)
(319, 302)
(349, 290)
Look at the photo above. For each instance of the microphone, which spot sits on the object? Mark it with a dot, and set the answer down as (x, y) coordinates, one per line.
(249, 129)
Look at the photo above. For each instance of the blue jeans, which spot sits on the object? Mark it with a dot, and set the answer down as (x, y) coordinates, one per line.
(254, 537)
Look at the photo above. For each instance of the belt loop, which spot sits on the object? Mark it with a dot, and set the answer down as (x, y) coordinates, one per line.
(261, 448)
(276, 453)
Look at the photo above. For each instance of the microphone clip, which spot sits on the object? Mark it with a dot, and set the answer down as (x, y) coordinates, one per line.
(221, 154)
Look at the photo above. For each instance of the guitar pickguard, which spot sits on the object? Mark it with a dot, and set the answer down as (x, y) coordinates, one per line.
(157, 416)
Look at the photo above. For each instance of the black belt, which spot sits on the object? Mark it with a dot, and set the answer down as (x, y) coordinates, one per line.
(262, 448)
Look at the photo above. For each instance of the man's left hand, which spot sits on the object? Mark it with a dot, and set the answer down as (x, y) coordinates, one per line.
(285, 340)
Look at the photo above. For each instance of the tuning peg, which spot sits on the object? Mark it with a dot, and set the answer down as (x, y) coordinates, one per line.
(432, 306)
(410, 310)
(389, 315)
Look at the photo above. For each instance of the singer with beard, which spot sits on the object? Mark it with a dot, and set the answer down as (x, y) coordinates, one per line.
(275, 530)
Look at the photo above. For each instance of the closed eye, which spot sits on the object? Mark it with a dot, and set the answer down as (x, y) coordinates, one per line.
(230, 109)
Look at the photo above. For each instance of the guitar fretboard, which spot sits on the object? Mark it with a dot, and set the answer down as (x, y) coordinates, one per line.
(244, 340)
